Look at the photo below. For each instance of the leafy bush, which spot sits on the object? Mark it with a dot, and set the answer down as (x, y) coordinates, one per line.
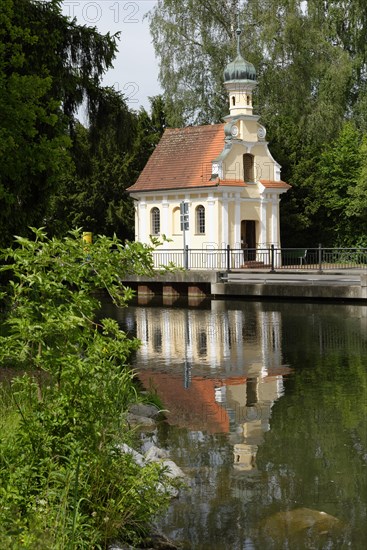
(64, 481)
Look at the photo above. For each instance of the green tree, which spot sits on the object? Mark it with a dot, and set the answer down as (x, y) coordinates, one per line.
(293, 50)
(336, 177)
(44, 77)
(92, 194)
(108, 157)
(149, 129)
(65, 483)
(356, 207)
(194, 40)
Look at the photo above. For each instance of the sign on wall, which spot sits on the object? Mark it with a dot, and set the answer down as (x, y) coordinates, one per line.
(184, 216)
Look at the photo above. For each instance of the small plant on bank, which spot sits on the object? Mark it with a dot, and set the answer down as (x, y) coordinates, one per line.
(64, 481)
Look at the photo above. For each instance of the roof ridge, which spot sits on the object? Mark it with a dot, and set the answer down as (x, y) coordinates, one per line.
(197, 127)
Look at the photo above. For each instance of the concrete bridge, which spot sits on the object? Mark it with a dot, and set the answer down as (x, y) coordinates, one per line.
(297, 285)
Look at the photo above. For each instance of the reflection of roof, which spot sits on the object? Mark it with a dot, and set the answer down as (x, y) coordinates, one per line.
(194, 408)
(183, 158)
(281, 370)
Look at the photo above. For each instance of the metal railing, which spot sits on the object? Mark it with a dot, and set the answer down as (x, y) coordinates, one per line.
(268, 258)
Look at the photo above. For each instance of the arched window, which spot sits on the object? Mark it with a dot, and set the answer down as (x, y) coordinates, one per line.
(248, 167)
(233, 100)
(200, 219)
(155, 221)
(176, 221)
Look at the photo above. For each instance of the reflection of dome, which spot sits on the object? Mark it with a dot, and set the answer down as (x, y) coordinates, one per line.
(239, 69)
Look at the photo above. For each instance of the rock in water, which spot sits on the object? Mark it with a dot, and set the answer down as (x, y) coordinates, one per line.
(172, 470)
(140, 421)
(293, 523)
(143, 409)
(155, 454)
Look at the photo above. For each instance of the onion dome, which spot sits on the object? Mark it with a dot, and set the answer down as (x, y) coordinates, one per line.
(239, 69)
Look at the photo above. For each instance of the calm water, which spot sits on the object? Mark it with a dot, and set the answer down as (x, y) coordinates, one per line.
(267, 413)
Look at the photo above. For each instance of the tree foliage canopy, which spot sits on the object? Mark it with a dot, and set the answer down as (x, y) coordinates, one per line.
(108, 157)
(49, 66)
(307, 54)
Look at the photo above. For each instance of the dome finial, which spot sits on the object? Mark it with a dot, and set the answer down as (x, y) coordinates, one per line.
(239, 69)
(238, 32)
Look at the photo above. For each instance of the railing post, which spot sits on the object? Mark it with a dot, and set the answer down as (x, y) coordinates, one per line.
(320, 257)
(186, 257)
(228, 257)
(272, 270)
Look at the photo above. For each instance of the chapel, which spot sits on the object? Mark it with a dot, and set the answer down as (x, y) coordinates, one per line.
(207, 187)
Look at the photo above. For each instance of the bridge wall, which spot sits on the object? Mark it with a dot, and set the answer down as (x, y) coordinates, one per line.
(217, 285)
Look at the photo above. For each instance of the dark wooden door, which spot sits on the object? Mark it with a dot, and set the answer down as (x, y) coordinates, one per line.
(248, 238)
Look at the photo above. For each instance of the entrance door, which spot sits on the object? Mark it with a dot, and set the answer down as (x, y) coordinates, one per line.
(248, 238)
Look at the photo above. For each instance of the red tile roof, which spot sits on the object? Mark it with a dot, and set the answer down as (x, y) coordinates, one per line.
(275, 184)
(182, 159)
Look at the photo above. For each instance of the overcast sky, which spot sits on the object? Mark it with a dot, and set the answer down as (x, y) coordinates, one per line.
(135, 71)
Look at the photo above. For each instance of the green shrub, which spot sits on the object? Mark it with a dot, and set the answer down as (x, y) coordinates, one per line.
(64, 481)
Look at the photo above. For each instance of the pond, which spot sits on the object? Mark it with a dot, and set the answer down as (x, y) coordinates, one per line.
(267, 408)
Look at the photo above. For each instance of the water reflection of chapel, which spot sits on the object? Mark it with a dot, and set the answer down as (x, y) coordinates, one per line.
(216, 370)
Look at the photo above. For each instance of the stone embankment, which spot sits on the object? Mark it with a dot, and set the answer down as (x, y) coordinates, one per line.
(144, 418)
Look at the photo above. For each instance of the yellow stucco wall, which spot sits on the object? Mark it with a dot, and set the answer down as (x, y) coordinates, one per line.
(263, 167)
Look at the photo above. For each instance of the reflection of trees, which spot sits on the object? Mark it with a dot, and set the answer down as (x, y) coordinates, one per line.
(208, 509)
(315, 453)
(312, 329)
(314, 456)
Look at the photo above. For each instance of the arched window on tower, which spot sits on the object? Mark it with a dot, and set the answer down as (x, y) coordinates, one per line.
(248, 167)
(200, 219)
(233, 100)
(155, 221)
